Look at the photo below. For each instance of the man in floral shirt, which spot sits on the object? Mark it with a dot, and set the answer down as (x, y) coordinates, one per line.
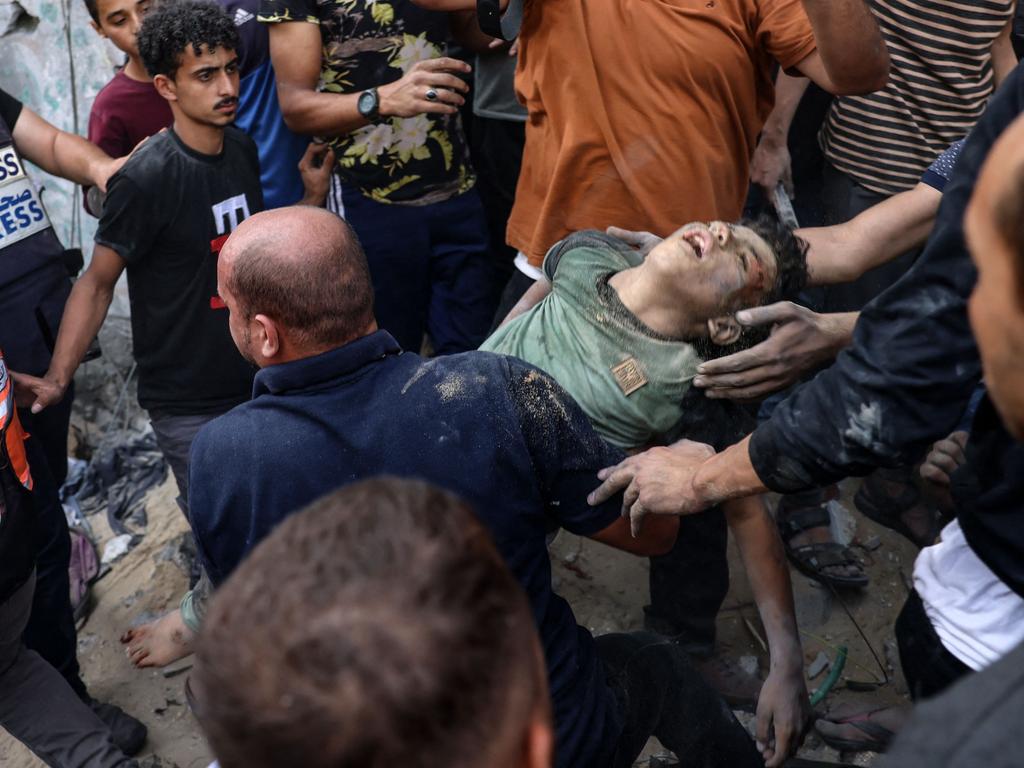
(373, 81)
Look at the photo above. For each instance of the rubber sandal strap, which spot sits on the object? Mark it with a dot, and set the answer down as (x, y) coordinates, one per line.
(800, 520)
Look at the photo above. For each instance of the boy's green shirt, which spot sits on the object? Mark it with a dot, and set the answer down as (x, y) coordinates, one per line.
(629, 381)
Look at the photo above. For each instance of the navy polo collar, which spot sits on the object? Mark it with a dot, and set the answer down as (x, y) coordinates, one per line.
(299, 374)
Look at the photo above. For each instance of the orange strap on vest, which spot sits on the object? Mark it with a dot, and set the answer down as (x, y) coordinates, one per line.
(10, 425)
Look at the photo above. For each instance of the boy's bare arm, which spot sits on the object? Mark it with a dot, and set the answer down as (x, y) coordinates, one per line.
(782, 707)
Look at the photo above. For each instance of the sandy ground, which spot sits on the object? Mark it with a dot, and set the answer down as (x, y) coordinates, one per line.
(606, 588)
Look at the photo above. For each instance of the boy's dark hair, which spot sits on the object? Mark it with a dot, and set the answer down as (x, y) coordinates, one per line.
(173, 26)
(93, 9)
(790, 256)
(791, 277)
(377, 627)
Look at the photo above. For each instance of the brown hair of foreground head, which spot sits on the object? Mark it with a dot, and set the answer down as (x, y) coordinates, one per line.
(377, 627)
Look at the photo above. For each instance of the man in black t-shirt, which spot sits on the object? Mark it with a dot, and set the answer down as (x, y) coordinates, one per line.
(165, 217)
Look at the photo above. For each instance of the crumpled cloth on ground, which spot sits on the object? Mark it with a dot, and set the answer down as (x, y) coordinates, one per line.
(118, 477)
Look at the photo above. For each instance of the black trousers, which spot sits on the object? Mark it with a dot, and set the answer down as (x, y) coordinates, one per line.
(927, 666)
(689, 584)
(660, 693)
(496, 148)
(51, 626)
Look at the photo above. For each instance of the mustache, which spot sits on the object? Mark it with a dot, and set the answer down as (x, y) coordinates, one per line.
(228, 102)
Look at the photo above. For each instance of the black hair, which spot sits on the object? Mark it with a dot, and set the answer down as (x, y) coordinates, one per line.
(93, 9)
(173, 26)
(790, 256)
(791, 277)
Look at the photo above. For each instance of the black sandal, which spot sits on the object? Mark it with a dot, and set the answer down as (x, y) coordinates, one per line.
(812, 559)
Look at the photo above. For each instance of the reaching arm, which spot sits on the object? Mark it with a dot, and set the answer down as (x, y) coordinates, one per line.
(84, 314)
(844, 252)
(61, 153)
(771, 162)
(782, 706)
(851, 56)
(295, 52)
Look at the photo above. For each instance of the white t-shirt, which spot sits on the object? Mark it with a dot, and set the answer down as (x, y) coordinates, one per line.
(976, 616)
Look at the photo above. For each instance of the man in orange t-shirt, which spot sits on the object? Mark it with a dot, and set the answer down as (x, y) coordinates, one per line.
(645, 113)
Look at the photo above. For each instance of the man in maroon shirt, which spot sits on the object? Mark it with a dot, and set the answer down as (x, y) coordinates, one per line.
(128, 109)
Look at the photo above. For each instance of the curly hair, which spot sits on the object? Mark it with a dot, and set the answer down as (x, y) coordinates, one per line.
(173, 26)
(790, 256)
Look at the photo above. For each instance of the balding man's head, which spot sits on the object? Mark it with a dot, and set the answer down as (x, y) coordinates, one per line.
(301, 268)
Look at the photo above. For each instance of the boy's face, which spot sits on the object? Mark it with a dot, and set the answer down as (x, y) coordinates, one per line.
(119, 22)
(716, 268)
(205, 87)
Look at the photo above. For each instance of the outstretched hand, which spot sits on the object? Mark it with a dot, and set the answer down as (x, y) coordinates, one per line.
(658, 481)
(782, 713)
(34, 392)
(800, 341)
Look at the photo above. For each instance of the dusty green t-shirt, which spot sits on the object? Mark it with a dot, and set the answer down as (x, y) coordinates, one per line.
(629, 381)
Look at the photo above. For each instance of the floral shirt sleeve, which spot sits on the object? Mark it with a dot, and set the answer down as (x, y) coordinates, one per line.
(368, 43)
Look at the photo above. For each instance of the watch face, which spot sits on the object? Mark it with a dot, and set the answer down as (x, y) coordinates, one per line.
(367, 103)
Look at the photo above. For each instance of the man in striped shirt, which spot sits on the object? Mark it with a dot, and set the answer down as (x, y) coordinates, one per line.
(946, 60)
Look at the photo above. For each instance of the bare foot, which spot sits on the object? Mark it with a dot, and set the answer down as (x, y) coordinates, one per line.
(159, 642)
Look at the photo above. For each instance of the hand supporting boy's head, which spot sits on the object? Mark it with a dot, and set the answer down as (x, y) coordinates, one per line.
(702, 274)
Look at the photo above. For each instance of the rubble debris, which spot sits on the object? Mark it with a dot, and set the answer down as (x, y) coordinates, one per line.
(820, 663)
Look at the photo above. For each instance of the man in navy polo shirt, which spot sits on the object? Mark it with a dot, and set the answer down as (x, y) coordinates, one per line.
(336, 400)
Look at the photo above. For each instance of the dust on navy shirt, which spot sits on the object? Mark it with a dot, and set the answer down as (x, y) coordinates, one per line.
(168, 212)
(499, 433)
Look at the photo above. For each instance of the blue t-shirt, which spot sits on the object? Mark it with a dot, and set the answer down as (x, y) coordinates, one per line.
(499, 433)
(259, 113)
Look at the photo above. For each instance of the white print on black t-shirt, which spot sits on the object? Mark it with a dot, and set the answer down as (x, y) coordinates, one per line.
(227, 215)
(226, 212)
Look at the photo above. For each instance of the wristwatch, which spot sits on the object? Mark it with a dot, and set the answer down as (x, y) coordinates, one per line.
(369, 105)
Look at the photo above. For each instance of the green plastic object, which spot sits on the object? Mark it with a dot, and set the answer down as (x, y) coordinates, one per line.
(832, 679)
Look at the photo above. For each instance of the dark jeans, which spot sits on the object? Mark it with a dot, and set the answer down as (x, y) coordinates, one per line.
(927, 666)
(36, 705)
(430, 268)
(689, 583)
(843, 200)
(660, 693)
(174, 435)
(496, 147)
(50, 631)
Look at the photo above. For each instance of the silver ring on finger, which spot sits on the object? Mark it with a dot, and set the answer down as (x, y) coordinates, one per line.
(431, 94)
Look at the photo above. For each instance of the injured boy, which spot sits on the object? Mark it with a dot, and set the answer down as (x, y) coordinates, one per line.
(624, 334)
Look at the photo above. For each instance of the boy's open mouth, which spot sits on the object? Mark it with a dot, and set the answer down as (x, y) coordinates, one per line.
(698, 241)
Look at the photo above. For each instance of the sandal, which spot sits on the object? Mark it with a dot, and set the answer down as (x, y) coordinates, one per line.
(888, 509)
(813, 559)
